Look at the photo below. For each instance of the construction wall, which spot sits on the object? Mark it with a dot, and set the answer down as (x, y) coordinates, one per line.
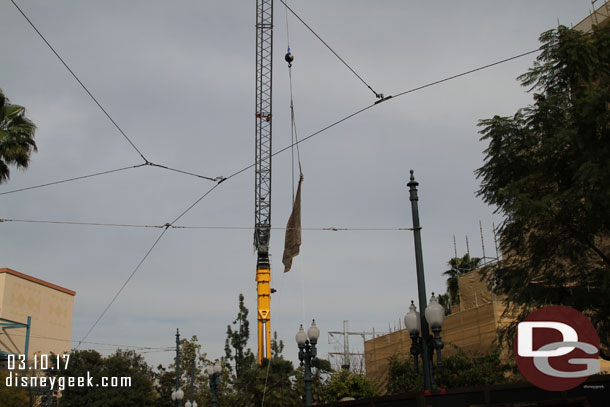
(600, 17)
(49, 306)
(471, 329)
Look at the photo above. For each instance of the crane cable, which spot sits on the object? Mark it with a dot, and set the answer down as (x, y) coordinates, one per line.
(294, 143)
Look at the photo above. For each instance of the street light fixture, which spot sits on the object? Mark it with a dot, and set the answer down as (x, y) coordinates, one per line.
(307, 352)
(414, 321)
(177, 394)
(214, 374)
(192, 402)
(435, 314)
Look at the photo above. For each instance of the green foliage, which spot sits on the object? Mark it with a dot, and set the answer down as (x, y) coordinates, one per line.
(462, 369)
(16, 137)
(164, 385)
(192, 364)
(348, 384)
(12, 395)
(320, 371)
(270, 381)
(402, 377)
(277, 347)
(120, 364)
(236, 349)
(547, 171)
(465, 369)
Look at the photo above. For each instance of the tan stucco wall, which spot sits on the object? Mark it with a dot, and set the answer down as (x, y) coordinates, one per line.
(471, 329)
(600, 17)
(51, 312)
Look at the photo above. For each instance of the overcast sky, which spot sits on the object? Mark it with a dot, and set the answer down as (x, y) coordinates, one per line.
(178, 78)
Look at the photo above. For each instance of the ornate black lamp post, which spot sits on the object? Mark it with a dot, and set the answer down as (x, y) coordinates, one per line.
(214, 374)
(307, 352)
(435, 314)
(178, 394)
(192, 402)
(415, 322)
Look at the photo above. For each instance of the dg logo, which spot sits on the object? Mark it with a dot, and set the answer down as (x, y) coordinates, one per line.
(556, 348)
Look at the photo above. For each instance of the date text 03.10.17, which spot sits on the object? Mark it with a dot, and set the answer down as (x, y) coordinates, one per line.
(42, 362)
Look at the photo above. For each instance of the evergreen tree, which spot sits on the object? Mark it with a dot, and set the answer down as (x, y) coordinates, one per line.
(547, 170)
(236, 349)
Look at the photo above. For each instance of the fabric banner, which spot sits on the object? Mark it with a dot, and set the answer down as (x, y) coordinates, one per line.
(293, 231)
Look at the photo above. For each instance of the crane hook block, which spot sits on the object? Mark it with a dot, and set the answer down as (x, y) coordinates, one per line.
(289, 58)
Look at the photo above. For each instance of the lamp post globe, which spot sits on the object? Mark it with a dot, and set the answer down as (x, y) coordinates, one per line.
(301, 336)
(412, 322)
(435, 313)
(313, 333)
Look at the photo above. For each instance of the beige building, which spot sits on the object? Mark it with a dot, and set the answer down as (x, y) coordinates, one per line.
(599, 17)
(472, 325)
(49, 307)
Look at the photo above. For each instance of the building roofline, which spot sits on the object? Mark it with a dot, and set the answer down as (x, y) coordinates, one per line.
(37, 281)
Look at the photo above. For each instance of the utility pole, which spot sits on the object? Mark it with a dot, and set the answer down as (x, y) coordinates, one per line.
(346, 354)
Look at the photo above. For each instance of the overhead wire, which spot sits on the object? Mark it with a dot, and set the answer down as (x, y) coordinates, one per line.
(189, 208)
(79, 81)
(92, 343)
(52, 222)
(121, 289)
(72, 179)
(378, 95)
(167, 225)
(222, 179)
(465, 73)
(219, 180)
(86, 89)
(185, 172)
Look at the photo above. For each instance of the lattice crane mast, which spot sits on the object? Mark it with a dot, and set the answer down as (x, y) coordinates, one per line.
(262, 225)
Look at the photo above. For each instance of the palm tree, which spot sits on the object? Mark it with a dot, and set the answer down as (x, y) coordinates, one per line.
(459, 266)
(16, 137)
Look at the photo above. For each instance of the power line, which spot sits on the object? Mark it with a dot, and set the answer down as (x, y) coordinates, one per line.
(72, 179)
(465, 73)
(80, 82)
(93, 343)
(280, 151)
(52, 222)
(197, 201)
(167, 225)
(146, 161)
(353, 115)
(378, 95)
(219, 178)
(122, 287)
(151, 164)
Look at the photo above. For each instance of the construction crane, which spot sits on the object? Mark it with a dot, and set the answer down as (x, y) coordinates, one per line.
(262, 225)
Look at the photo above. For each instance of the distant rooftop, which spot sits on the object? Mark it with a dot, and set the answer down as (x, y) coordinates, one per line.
(599, 17)
(37, 281)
